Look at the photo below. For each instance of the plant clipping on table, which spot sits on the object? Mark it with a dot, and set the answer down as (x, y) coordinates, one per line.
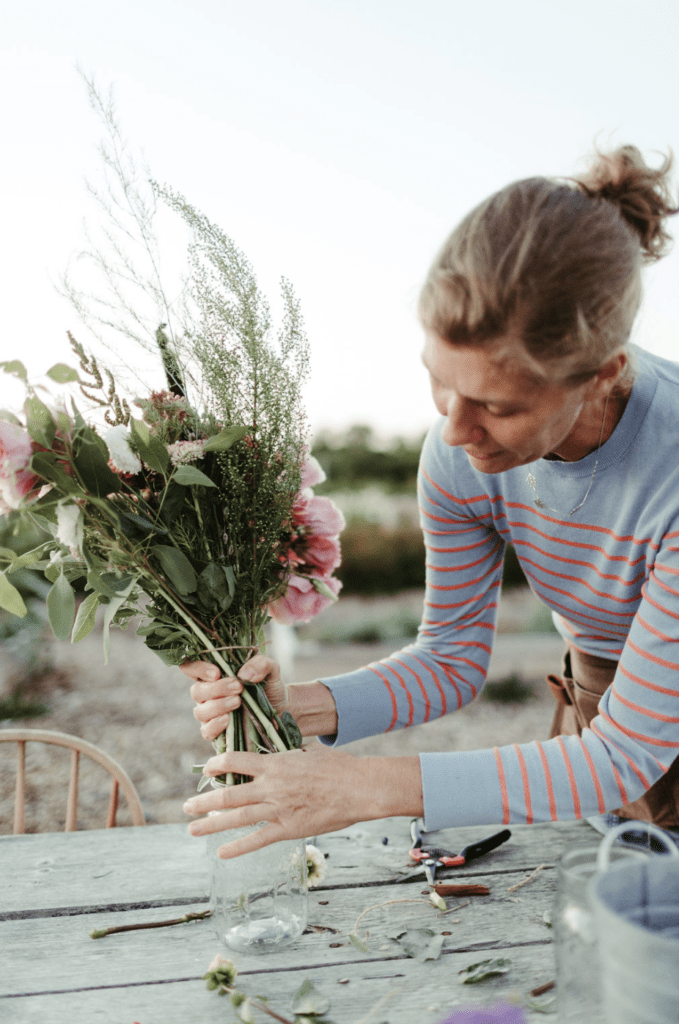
(197, 516)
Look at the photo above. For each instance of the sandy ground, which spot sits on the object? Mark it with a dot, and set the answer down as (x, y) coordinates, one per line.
(140, 712)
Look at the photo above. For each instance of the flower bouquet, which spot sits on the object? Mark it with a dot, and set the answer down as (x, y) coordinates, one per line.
(198, 518)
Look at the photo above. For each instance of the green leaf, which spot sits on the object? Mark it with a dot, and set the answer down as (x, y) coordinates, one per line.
(214, 593)
(142, 523)
(484, 969)
(90, 458)
(189, 476)
(220, 442)
(10, 598)
(9, 417)
(45, 465)
(358, 943)
(28, 558)
(308, 999)
(61, 607)
(422, 944)
(230, 579)
(173, 502)
(322, 588)
(84, 620)
(62, 373)
(151, 450)
(177, 568)
(15, 367)
(39, 422)
(293, 736)
(111, 608)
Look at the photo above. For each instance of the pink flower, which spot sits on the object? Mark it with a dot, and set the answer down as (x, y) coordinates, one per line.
(301, 601)
(323, 553)
(15, 479)
(312, 472)
(322, 516)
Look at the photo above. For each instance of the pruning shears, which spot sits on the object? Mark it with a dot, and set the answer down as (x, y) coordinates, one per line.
(431, 858)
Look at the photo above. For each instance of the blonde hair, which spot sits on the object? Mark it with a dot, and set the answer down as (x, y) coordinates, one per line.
(557, 262)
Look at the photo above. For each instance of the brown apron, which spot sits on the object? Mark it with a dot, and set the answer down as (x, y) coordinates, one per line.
(578, 691)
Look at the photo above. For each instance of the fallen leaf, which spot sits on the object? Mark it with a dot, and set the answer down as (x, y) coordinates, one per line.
(422, 944)
(484, 969)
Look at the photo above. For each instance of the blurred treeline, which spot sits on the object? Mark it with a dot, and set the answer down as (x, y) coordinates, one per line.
(375, 485)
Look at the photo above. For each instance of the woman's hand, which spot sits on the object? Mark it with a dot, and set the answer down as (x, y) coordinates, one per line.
(304, 793)
(216, 697)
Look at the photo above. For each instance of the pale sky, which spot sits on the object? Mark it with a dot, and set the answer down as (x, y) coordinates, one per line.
(336, 141)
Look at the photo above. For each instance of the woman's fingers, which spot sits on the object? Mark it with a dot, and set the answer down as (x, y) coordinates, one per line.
(200, 670)
(258, 668)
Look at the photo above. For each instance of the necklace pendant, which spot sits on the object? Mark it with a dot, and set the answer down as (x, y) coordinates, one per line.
(532, 482)
(539, 503)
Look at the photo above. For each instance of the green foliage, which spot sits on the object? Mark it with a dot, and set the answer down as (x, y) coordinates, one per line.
(354, 459)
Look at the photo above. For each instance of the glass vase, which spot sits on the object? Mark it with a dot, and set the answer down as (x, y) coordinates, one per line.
(258, 900)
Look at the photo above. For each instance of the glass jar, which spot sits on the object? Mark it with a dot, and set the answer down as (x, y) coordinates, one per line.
(258, 900)
(578, 969)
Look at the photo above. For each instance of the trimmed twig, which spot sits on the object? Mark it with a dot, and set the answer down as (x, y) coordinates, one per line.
(458, 907)
(525, 881)
(541, 989)
(260, 1006)
(99, 933)
(461, 890)
(387, 903)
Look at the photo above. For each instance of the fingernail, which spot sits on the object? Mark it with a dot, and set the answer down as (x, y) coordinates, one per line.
(246, 673)
(189, 807)
(214, 674)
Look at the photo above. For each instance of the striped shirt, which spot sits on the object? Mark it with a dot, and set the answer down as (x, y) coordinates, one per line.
(610, 575)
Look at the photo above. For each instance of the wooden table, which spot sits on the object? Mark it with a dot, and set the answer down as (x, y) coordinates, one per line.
(55, 888)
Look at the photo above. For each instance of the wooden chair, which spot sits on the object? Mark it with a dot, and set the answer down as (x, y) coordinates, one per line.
(120, 780)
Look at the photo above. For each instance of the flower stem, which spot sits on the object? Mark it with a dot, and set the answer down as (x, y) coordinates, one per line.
(99, 933)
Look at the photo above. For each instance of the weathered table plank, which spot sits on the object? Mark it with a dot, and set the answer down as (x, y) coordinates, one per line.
(158, 955)
(401, 992)
(103, 867)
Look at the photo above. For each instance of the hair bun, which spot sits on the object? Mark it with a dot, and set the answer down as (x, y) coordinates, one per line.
(641, 193)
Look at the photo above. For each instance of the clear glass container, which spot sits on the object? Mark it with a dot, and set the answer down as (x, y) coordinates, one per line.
(258, 900)
(578, 968)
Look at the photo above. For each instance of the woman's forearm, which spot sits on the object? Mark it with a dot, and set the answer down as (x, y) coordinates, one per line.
(313, 708)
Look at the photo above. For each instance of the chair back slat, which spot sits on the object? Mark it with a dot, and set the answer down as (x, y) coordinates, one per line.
(72, 803)
(113, 805)
(20, 795)
(120, 779)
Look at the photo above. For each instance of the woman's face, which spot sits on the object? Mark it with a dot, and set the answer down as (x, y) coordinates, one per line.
(499, 412)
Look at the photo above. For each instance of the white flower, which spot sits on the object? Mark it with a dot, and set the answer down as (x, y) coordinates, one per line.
(122, 457)
(182, 452)
(69, 526)
(315, 866)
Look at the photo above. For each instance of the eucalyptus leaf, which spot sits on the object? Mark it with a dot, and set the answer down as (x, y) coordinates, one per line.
(90, 458)
(15, 367)
(173, 502)
(151, 449)
(45, 465)
(109, 614)
(62, 373)
(189, 476)
(422, 944)
(61, 607)
(85, 619)
(358, 943)
(308, 999)
(292, 731)
(39, 422)
(10, 598)
(220, 442)
(9, 417)
(484, 969)
(177, 568)
(142, 523)
(213, 589)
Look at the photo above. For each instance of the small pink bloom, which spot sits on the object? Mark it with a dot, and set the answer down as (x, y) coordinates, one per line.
(16, 482)
(312, 472)
(301, 601)
(323, 552)
(321, 515)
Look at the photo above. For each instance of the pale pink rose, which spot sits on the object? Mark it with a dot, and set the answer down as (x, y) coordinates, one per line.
(321, 515)
(323, 553)
(15, 479)
(301, 601)
(312, 472)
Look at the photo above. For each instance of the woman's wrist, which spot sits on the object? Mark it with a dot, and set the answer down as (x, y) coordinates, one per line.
(313, 708)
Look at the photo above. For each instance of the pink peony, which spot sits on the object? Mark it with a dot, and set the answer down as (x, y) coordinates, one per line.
(318, 515)
(301, 601)
(323, 553)
(312, 472)
(15, 479)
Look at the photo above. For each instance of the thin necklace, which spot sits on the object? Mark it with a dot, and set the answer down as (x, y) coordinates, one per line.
(532, 482)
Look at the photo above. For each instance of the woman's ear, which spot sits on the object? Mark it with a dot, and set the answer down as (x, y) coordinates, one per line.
(610, 374)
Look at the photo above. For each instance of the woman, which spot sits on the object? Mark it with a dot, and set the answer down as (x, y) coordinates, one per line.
(554, 435)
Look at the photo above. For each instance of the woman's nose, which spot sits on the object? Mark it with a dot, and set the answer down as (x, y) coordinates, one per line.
(461, 427)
